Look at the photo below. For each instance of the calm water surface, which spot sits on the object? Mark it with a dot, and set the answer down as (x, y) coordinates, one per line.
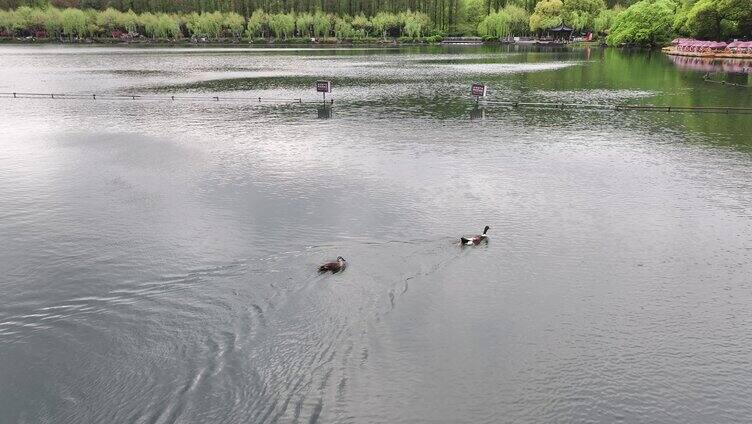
(158, 258)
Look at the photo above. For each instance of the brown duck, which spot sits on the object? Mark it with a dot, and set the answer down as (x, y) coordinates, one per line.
(475, 240)
(336, 266)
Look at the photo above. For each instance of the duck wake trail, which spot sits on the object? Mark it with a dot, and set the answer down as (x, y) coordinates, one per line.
(315, 336)
(262, 340)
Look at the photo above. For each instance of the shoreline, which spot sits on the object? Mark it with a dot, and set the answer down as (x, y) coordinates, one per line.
(245, 43)
(707, 55)
(218, 43)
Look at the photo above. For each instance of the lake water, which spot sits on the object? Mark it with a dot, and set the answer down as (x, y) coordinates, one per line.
(158, 259)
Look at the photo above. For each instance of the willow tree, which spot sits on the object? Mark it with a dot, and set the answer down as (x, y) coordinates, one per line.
(343, 29)
(412, 23)
(547, 14)
(361, 24)
(603, 22)
(129, 21)
(495, 25)
(518, 19)
(205, 24)
(647, 23)
(322, 24)
(53, 22)
(234, 23)
(384, 22)
(581, 14)
(9, 21)
(282, 24)
(74, 23)
(168, 26)
(149, 22)
(510, 20)
(304, 23)
(31, 19)
(110, 20)
(258, 24)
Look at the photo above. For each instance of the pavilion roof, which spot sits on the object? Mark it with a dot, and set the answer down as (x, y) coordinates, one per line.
(561, 28)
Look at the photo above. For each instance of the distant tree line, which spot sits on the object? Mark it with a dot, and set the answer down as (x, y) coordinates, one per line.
(646, 22)
(444, 14)
(73, 23)
(450, 16)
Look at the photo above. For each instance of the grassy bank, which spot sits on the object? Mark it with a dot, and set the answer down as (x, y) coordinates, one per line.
(327, 42)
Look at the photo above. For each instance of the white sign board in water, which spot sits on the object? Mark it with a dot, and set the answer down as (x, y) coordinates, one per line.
(479, 90)
(324, 86)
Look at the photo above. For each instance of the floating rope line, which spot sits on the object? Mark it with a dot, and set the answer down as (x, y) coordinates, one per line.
(171, 98)
(707, 78)
(603, 106)
(286, 101)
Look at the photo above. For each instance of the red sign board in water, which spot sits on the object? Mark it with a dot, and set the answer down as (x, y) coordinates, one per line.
(324, 86)
(478, 90)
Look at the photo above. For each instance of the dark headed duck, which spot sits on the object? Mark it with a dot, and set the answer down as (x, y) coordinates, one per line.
(475, 240)
(335, 267)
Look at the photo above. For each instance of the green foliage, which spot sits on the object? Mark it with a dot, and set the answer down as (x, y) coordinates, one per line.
(258, 24)
(716, 19)
(581, 14)
(22, 16)
(129, 21)
(53, 22)
(518, 19)
(494, 26)
(8, 20)
(511, 20)
(304, 23)
(234, 23)
(27, 21)
(527, 5)
(31, 19)
(413, 23)
(282, 24)
(446, 15)
(168, 26)
(362, 25)
(412, 28)
(603, 22)
(645, 23)
(343, 29)
(680, 20)
(74, 23)
(207, 25)
(110, 20)
(469, 15)
(213, 23)
(547, 14)
(149, 22)
(384, 22)
(92, 28)
(81, 23)
(321, 24)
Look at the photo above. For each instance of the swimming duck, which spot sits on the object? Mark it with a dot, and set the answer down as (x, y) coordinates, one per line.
(335, 267)
(475, 240)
